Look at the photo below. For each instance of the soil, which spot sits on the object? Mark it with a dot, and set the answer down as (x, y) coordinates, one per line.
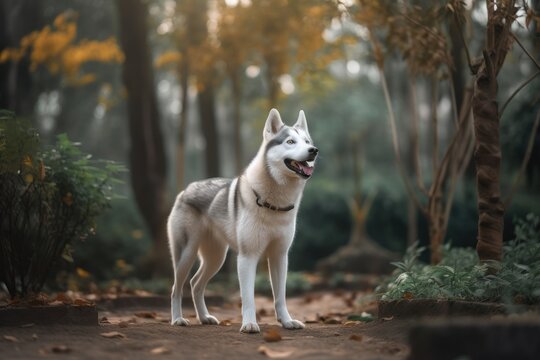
(144, 332)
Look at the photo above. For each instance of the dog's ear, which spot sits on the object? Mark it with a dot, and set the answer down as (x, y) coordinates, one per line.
(273, 124)
(301, 123)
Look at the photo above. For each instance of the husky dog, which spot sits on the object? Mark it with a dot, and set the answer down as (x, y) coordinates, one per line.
(254, 214)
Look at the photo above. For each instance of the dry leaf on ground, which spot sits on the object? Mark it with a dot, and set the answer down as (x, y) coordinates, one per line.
(160, 350)
(60, 349)
(146, 314)
(272, 335)
(11, 338)
(274, 354)
(225, 322)
(113, 334)
(332, 321)
(82, 302)
(355, 337)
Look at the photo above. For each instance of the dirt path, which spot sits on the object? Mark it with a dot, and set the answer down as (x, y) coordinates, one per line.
(147, 334)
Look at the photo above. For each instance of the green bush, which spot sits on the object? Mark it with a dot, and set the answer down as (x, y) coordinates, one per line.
(461, 276)
(48, 199)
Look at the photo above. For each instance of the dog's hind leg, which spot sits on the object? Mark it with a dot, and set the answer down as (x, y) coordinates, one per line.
(184, 253)
(212, 254)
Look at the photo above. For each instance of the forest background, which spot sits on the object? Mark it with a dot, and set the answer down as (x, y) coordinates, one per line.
(193, 103)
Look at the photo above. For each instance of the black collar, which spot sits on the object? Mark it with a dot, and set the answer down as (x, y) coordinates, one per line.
(270, 206)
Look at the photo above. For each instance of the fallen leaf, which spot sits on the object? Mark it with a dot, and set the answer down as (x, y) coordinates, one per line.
(82, 302)
(337, 334)
(332, 321)
(387, 318)
(355, 337)
(123, 324)
(274, 354)
(146, 314)
(160, 351)
(408, 295)
(56, 303)
(272, 335)
(62, 297)
(225, 323)
(113, 334)
(351, 323)
(11, 338)
(60, 349)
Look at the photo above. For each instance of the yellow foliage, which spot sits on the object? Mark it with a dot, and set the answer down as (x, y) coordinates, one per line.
(168, 58)
(82, 273)
(55, 49)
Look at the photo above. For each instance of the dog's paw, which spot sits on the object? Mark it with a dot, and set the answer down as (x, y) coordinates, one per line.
(293, 324)
(250, 328)
(180, 321)
(209, 320)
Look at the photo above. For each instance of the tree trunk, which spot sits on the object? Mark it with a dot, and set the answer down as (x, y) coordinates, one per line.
(17, 19)
(182, 127)
(207, 114)
(487, 153)
(147, 154)
(487, 156)
(237, 96)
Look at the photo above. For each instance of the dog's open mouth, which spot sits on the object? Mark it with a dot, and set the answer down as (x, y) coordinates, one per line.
(302, 168)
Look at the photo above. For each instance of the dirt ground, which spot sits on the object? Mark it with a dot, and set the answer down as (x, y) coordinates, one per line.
(142, 333)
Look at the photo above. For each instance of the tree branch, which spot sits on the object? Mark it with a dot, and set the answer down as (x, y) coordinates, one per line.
(525, 50)
(395, 142)
(518, 89)
(416, 132)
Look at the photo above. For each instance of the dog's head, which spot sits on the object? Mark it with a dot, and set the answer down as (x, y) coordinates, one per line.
(289, 149)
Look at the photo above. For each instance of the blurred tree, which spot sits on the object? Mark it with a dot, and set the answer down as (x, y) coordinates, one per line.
(235, 44)
(58, 51)
(288, 37)
(499, 39)
(147, 155)
(417, 32)
(17, 19)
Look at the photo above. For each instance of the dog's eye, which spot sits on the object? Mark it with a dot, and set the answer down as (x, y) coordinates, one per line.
(291, 141)
(307, 142)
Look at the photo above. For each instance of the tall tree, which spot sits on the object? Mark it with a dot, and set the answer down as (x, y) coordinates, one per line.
(147, 154)
(487, 153)
(17, 19)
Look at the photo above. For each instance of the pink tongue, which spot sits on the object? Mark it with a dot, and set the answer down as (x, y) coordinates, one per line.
(306, 169)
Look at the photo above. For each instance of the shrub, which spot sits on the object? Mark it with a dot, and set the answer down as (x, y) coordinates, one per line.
(461, 276)
(48, 199)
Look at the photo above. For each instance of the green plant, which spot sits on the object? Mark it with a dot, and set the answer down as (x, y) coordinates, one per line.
(48, 199)
(460, 275)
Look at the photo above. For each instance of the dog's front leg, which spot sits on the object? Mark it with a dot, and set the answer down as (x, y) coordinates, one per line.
(247, 268)
(277, 267)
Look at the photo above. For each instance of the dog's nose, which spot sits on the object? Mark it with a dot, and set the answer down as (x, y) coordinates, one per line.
(313, 150)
